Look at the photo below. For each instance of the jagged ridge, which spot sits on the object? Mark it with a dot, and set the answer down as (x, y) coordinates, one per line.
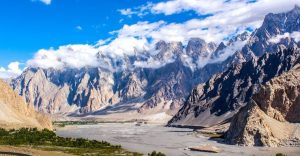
(271, 116)
(224, 94)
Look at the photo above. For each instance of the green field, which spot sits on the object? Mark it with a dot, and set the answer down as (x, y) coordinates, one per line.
(49, 141)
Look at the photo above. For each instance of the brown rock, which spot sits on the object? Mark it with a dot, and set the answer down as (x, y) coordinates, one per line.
(280, 97)
(270, 119)
(15, 113)
(206, 148)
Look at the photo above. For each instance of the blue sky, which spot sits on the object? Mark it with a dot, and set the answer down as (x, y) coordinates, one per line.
(50, 33)
(27, 26)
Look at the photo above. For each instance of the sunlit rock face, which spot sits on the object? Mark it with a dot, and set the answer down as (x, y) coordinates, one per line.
(15, 113)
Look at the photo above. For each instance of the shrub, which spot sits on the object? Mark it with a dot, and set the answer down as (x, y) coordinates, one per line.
(154, 153)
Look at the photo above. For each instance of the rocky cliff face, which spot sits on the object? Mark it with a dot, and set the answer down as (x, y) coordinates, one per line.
(51, 91)
(92, 89)
(224, 94)
(199, 50)
(15, 113)
(271, 116)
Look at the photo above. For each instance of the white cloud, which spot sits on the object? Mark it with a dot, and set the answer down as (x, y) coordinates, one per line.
(295, 35)
(78, 27)
(47, 2)
(151, 63)
(139, 11)
(188, 61)
(199, 6)
(203, 7)
(127, 12)
(213, 28)
(227, 18)
(78, 56)
(103, 42)
(228, 51)
(179, 32)
(12, 71)
(124, 46)
(72, 56)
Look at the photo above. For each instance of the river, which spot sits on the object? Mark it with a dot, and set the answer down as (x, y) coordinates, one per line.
(169, 140)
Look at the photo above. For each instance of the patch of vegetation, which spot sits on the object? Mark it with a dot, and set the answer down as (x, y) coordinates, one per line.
(280, 154)
(212, 135)
(154, 153)
(66, 123)
(88, 122)
(49, 141)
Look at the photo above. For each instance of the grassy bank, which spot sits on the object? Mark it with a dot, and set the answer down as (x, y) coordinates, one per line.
(90, 122)
(67, 123)
(49, 141)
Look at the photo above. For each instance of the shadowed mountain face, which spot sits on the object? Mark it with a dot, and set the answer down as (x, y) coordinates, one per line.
(224, 94)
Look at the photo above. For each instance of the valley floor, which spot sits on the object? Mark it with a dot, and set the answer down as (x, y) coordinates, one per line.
(169, 140)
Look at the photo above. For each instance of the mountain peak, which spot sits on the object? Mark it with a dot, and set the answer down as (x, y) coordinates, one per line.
(196, 39)
(296, 8)
(198, 47)
(160, 44)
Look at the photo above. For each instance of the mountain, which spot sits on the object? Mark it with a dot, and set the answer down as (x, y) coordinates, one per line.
(15, 113)
(224, 94)
(271, 116)
(152, 82)
(220, 98)
(99, 91)
(149, 82)
(274, 25)
(198, 48)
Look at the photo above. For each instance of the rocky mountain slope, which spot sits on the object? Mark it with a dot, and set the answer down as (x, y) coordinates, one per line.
(15, 113)
(271, 118)
(143, 88)
(224, 94)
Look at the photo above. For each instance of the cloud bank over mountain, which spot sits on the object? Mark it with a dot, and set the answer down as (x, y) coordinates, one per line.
(73, 56)
(222, 20)
(295, 35)
(12, 70)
